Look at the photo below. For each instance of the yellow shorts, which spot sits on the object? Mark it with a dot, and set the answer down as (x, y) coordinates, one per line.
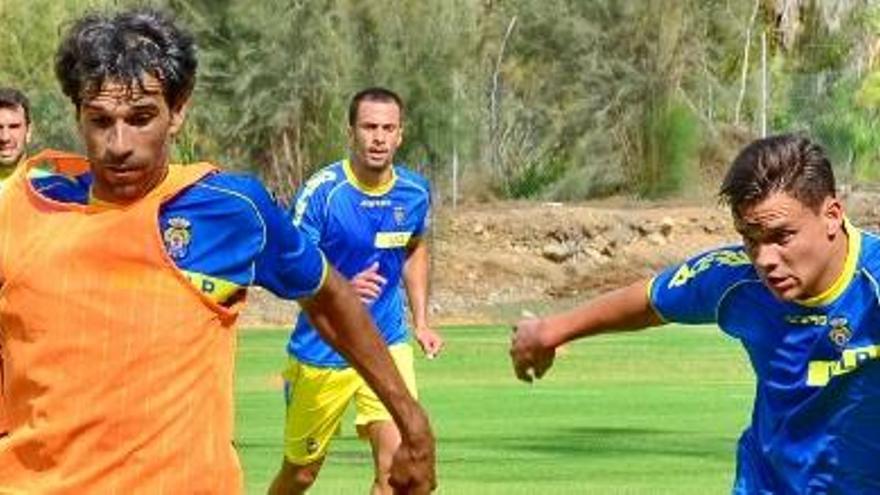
(317, 398)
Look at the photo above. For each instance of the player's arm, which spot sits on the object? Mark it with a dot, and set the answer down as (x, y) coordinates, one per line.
(338, 315)
(689, 293)
(415, 277)
(534, 341)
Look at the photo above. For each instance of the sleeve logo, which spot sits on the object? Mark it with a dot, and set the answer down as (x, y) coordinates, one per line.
(724, 257)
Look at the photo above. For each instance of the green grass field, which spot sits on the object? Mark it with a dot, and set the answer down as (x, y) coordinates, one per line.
(650, 413)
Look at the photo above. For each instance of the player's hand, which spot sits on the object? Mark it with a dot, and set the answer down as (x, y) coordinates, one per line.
(530, 357)
(368, 284)
(430, 341)
(412, 468)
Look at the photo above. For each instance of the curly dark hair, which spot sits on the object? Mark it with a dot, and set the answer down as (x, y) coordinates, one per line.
(125, 47)
(788, 163)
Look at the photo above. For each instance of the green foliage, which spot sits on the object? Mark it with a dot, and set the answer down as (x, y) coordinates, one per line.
(672, 138)
(596, 81)
(868, 95)
(819, 47)
(279, 75)
(30, 37)
(580, 98)
(840, 109)
(535, 178)
(851, 133)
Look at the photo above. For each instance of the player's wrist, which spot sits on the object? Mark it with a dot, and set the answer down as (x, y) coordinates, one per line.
(420, 323)
(548, 335)
(413, 423)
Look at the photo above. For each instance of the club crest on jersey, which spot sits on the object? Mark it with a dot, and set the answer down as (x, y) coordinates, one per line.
(840, 332)
(177, 237)
(399, 214)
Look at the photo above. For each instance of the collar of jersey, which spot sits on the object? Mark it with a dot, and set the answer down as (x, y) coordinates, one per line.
(364, 188)
(853, 248)
(101, 205)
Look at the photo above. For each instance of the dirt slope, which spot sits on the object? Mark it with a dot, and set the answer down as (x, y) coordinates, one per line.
(493, 261)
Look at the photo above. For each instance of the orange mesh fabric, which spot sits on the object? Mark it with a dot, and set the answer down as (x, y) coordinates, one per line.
(4, 426)
(118, 373)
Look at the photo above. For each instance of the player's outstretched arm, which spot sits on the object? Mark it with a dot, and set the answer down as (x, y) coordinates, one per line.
(534, 341)
(338, 314)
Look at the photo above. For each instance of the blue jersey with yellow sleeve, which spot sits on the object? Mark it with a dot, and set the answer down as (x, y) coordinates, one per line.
(224, 233)
(355, 226)
(815, 425)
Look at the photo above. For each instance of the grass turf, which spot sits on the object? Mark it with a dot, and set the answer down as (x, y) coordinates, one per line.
(655, 412)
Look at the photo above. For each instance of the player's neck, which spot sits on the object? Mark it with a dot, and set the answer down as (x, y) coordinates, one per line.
(371, 176)
(840, 250)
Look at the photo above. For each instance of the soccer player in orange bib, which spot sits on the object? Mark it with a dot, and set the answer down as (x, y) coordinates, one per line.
(122, 278)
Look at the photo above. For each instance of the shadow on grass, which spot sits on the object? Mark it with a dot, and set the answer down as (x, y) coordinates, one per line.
(584, 442)
(352, 451)
(592, 443)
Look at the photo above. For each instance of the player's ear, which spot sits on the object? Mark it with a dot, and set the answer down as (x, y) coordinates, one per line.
(178, 115)
(832, 214)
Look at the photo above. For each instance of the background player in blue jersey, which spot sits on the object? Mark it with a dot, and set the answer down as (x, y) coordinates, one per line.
(801, 294)
(369, 217)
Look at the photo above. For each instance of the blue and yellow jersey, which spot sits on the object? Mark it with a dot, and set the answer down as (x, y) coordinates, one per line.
(224, 233)
(355, 225)
(816, 420)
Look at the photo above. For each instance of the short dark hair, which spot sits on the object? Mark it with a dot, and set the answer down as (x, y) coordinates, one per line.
(124, 47)
(13, 98)
(788, 163)
(374, 93)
